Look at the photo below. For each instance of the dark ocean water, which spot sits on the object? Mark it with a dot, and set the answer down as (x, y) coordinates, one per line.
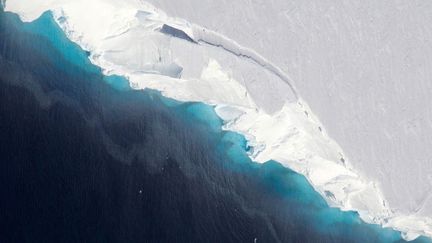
(83, 158)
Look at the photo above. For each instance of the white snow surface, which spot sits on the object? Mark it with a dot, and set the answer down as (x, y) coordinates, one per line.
(216, 64)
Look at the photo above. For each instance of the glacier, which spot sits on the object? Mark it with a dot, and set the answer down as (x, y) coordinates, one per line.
(253, 96)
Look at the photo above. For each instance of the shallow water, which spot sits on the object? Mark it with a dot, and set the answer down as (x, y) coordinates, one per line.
(84, 158)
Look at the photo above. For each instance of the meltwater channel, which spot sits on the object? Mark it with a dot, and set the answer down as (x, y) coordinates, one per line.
(84, 158)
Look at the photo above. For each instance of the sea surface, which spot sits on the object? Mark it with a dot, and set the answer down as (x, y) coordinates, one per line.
(84, 158)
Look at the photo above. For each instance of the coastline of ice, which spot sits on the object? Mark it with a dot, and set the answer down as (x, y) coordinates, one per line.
(252, 95)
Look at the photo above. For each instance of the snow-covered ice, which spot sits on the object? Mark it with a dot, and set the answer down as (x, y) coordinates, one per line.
(238, 61)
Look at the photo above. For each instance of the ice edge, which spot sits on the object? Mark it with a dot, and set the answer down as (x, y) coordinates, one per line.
(346, 189)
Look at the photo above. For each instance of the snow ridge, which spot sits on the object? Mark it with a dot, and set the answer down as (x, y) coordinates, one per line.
(205, 36)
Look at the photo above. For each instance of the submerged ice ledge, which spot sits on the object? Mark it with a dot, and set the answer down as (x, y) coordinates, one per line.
(254, 97)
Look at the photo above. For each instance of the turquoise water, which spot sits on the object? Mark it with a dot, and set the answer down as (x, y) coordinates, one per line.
(46, 26)
(292, 195)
